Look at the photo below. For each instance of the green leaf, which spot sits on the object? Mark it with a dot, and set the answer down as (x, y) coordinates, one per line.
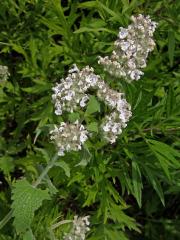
(116, 214)
(166, 156)
(91, 195)
(137, 182)
(28, 235)
(85, 157)
(20, 50)
(73, 117)
(115, 16)
(93, 105)
(113, 234)
(93, 127)
(171, 46)
(88, 4)
(149, 173)
(6, 164)
(64, 166)
(167, 152)
(26, 200)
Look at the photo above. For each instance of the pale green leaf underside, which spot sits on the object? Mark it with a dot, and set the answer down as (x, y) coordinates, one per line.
(26, 200)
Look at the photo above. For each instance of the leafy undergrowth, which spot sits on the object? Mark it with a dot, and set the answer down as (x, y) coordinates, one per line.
(129, 189)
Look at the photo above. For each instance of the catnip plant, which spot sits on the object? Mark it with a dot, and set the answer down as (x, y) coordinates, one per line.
(72, 94)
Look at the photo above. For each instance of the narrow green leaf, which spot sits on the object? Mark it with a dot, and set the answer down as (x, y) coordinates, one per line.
(114, 15)
(88, 4)
(167, 151)
(155, 183)
(137, 182)
(20, 50)
(171, 46)
(33, 50)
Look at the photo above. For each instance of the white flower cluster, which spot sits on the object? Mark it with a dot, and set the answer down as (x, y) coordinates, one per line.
(79, 229)
(113, 123)
(69, 137)
(131, 49)
(116, 121)
(71, 92)
(4, 73)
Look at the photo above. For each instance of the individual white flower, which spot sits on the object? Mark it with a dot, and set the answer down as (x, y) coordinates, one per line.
(123, 33)
(136, 74)
(84, 100)
(83, 137)
(124, 45)
(106, 127)
(74, 69)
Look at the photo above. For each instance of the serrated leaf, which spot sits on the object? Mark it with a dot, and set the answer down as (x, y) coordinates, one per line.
(26, 200)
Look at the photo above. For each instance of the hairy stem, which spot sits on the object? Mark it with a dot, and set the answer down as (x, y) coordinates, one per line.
(60, 223)
(45, 171)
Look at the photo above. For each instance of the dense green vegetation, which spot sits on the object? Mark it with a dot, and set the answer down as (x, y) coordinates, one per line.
(129, 189)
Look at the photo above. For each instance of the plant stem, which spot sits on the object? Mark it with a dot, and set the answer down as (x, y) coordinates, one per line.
(35, 184)
(60, 223)
(6, 219)
(45, 171)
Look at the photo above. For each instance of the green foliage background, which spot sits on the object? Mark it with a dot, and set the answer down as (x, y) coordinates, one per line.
(131, 189)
